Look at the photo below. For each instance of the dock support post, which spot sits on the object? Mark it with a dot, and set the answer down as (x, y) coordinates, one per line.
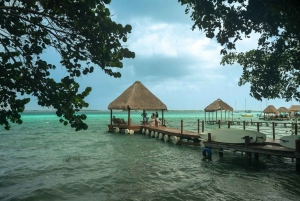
(256, 156)
(248, 154)
(221, 153)
(247, 141)
(244, 125)
(228, 124)
(181, 129)
(257, 126)
(209, 137)
(198, 126)
(296, 129)
(202, 126)
(297, 151)
(273, 130)
(219, 122)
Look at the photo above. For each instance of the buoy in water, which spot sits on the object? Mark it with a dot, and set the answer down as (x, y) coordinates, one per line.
(143, 130)
(156, 134)
(131, 132)
(206, 152)
(160, 136)
(147, 132)
(117, 130)
(152, 134)
(126, 131)
(166, 138)
(175, 139)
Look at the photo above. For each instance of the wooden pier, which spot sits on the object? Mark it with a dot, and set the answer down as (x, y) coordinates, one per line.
(183, 137)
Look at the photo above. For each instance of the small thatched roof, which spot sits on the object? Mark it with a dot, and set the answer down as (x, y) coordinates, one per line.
(218, 105)
(283, 109)
(137, 97)
(270, 110)
(294, 108)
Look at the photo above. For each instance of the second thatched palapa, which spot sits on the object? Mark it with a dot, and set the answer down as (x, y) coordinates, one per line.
(216, 106)
(270, 110)
(283, 110)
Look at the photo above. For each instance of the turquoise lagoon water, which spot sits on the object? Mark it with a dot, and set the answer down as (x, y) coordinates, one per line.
(44, 160)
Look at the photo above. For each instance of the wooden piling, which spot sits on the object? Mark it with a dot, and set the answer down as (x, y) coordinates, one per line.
(228, 124)
(273, 130)
(198, 126)
(221, 153)
(209, 137)
(297, 151)
(202, 126)
(219, 122)
(181, 127)
(247, 141)
(249, 156)
(257, 126)
(296, 129)
(244, 125)
(256, 156)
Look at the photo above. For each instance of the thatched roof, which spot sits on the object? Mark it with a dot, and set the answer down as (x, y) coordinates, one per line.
(294, 108)
(218, 105)
(137, 97)
(283, 109)
(270, 110)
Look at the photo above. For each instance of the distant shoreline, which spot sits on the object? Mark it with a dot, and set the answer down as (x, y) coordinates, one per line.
(93, 110)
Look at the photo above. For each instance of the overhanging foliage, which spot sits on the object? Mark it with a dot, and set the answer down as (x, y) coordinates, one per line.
(84, 35)
(273, 69)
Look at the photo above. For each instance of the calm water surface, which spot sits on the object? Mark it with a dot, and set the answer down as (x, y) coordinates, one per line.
(44, 160)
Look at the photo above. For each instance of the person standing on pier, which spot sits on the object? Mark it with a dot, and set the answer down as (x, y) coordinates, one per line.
(153, 119)
(156, 119)
(144, 115)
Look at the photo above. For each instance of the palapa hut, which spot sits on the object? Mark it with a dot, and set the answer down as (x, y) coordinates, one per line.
(294, 109)
(283, 110)
(136, 97)
(283, 113)
(216, 106)
(270, 110)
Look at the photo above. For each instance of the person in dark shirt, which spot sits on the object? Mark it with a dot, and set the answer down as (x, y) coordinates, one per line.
(144, 115)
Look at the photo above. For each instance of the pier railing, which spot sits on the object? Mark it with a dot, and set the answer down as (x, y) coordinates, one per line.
(292, 126)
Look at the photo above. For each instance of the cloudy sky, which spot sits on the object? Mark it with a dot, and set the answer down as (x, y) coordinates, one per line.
(180, 66)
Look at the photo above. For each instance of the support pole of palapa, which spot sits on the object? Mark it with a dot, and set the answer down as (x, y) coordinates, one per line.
(110, 116)
(162, 118)
(129, 121)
